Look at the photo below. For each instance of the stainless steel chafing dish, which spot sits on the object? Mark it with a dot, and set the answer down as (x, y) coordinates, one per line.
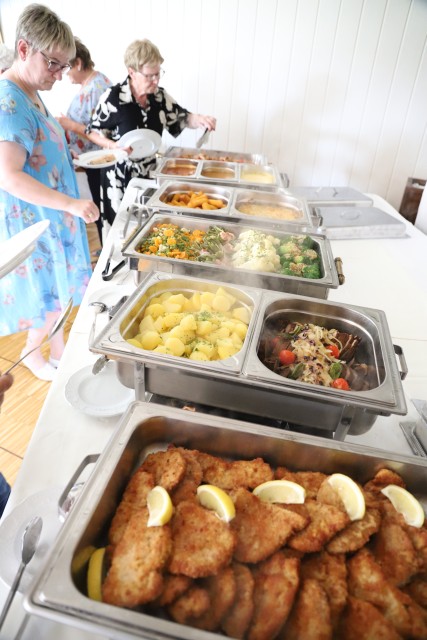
(331, 196)
(219, 172)
(243, 383)
(318, 288)
(58, 593)
(236, 199)
(214, 154)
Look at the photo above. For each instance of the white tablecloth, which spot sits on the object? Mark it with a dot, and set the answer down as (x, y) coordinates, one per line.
(387, 274)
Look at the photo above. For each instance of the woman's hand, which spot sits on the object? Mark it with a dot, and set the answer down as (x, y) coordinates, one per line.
(6, 381)
(85, 209)
(196, 121)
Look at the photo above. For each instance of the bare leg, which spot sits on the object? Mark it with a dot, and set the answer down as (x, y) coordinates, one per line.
(57, 343)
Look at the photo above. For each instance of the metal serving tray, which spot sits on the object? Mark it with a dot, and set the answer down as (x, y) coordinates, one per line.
(234, 197)
(214, 154)
(330, 196)
(247, 175)
(59, 594)
(243, 383)
(318, 288)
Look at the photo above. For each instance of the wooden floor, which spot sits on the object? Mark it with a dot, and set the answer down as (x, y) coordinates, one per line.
(23, 402)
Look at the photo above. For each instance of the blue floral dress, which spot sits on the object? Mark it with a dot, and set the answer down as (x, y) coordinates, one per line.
(82, 107)
(59, 267)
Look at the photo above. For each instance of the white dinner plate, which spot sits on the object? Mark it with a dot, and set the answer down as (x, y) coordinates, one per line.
(43, 504)
(93, 159)
(99, 395)
(17, 248)
(144, 142)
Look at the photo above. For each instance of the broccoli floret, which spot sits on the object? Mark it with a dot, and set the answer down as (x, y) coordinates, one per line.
(311, 271)
(309, 256)
(308, 242)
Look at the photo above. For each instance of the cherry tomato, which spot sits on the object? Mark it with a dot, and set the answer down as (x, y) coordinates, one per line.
(286, 357)
(275, 343)
(341, 383)
(335, 352)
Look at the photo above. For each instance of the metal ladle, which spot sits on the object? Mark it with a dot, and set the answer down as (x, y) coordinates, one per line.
(30, 540)
(56, 327)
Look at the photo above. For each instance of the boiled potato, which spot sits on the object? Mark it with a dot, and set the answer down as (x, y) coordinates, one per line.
(134, 342)
(221, 303)
(185, 335)
(172, 307)
(175, 346)
(160, 349)
(199, 355)
(147, 324)
(159, 324)
(195, 301)
(205, 347)
(222, 292)
(154, 310)
(242, 314)
(150, 340)
(225, 348)
(241, 329)
(178, 298)
(236, 340)
(188, 322)
(207, 297)
(204, 327)
(172, 319)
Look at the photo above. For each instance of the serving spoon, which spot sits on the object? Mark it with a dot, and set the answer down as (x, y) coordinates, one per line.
(30, 541)
(56, 327)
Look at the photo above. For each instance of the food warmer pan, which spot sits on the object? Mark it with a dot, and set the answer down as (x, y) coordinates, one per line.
(214, 154)
(241, 204)
(317, 288)
(219, 172)
(242, 382)
(58, 592)
(332, 196)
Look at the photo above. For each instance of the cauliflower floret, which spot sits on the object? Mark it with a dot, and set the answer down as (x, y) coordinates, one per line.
(256, 251)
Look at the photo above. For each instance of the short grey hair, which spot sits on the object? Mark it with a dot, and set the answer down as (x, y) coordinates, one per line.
(43, 30)
(142, 52)
(6, 57)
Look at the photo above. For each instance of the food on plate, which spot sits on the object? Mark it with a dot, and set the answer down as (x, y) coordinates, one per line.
(279, 212)
(250, 249)
(195, 200)
(160, 507)
(202, 326)
(108, 157)
(274, 571)
(314, 361)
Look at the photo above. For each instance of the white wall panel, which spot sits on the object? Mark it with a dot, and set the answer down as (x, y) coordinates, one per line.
(333, 92)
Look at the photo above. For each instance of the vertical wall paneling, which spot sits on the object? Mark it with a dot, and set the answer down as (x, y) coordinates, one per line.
(333, 92)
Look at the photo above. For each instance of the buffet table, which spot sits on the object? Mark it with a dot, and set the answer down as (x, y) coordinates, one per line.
(386, 274)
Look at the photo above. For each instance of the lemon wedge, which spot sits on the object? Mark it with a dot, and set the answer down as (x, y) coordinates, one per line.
(406, 504)
(81, 559)
(94, 574)
(160, 507)
(283, 491)
(350, 493)
(216, 499)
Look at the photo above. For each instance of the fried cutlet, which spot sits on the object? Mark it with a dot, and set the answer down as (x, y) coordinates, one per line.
(221, 589)
(367, 581)
(135, 576)
(395, 553)
(310, 480)
(276, 583)
(310, 617)
(255, 540)
(134, 498)
(356, 534)
(231, 475)
(186, 489)
(173, 588)
(331, 573)
(166, 467)
(202, 543)
(361, 620)
(193, 603)
(325, 521)
(237, 620)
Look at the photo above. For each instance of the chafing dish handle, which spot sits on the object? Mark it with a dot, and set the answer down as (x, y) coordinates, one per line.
(399, 352)
(89, 459)
(338, 267)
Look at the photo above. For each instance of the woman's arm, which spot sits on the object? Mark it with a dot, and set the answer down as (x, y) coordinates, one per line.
(23, 186)
(196, 120)
(80, 129)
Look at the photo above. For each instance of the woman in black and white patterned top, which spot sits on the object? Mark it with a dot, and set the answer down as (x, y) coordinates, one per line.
(136, 103)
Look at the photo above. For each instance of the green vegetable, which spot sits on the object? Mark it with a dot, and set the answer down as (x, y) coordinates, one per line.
(296, 371)
(335, 370)
(311, 271)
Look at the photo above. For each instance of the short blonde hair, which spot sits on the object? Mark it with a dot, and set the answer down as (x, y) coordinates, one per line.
(141, 52)
(43, 30)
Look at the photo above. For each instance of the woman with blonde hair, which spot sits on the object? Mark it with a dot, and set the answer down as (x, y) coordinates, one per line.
(38, 182)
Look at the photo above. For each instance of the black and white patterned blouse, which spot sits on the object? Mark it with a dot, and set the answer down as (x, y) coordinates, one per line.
(118, 113)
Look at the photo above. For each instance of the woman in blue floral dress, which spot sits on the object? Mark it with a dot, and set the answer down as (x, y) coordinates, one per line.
(38, 182)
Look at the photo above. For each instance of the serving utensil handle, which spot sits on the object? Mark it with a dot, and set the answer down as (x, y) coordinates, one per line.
(11, 594)
(399, 352)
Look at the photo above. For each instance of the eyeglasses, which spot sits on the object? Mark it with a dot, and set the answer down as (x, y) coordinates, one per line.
(53, 66)
(153, 76)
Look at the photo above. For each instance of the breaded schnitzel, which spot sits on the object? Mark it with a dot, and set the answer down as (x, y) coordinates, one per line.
(331, 573)
(362, 621)
(202, 543)
(236, 622)
(310, 617)
(239, 473)
(166, 467)
(134, 498)
(356, 534)
(326, 521)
